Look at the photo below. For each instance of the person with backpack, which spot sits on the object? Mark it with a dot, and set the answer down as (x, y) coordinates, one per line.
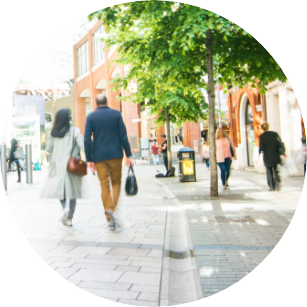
(272, 148)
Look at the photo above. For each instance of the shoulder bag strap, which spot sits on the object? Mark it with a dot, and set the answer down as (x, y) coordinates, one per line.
(73, 143)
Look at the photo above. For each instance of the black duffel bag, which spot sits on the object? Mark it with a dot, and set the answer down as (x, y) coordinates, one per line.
(131, 184)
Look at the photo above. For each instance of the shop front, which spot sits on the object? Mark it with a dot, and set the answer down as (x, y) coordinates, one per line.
(248, 118)
(248, 109)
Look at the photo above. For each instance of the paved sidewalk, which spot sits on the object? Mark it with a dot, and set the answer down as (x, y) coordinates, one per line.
(122, 265)
(173, 238)
(234, 233)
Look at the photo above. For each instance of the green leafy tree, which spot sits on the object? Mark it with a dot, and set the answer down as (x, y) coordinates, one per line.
(170, 47)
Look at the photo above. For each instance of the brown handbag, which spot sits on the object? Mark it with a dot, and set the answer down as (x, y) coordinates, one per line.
(76, 166)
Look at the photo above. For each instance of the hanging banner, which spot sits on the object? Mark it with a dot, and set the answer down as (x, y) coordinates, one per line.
(30, 105)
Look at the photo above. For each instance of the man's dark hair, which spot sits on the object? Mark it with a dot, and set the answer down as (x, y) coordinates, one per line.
(101, 100)
(163, 135)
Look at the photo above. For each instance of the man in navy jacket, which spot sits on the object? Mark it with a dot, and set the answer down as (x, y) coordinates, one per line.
(105, 152)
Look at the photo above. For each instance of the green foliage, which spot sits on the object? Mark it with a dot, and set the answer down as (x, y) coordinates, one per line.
(164, 43)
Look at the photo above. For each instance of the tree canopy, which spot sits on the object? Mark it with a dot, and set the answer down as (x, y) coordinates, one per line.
(170, 47)
(165, 45)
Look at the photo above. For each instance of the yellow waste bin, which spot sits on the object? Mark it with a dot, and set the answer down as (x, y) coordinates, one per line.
(186, 158)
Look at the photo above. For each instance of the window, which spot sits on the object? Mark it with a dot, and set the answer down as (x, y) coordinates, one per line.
(98, 46)
(83, 60)
(249, 114)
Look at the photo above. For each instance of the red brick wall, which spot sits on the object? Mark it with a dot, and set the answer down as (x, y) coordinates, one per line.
(129, 111)
(191, 133)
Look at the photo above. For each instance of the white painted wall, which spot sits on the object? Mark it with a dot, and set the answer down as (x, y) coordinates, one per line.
(273, 112)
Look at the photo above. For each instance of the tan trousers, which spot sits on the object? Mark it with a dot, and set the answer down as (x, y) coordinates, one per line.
(106, 170)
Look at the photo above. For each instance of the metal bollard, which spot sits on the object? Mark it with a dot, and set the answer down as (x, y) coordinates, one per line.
(29, 163)
(3, 166)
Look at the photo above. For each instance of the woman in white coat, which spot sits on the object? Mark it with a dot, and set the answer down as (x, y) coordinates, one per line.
(63, 141)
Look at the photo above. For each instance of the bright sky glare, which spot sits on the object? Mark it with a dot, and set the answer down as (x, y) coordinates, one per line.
(53, 66)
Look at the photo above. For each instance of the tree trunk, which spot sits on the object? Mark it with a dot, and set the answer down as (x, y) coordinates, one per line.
(169, 143)
(211, 114)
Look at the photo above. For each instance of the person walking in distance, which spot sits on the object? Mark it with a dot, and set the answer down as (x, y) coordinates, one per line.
(270, 144)
(155, 152)
(303, 153)
(13, 158)
(163, 149)
(233, 154)
(223, 155)
(109, 134)
(63, 141)
(206, 154)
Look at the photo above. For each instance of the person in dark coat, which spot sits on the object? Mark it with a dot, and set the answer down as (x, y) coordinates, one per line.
(163, 149)
(269, 145)
(14, 146)
(105, 152)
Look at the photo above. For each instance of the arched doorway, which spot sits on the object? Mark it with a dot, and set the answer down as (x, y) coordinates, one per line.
(250, 133)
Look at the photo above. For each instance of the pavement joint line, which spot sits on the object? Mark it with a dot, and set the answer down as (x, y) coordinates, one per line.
(235, 247)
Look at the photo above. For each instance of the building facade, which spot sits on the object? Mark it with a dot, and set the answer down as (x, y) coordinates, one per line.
(248, 109)
(53, 106)
(94, 68)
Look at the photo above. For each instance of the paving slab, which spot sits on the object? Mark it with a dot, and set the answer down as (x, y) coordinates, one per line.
(96, 275)
(214, 241)
(137, 303)
(104, 285)
(145, 288)
(233, 233)
(129, 252)
(113, 294)
(140, 278)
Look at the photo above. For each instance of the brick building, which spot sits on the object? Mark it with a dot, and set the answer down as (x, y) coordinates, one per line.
(93, 70)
